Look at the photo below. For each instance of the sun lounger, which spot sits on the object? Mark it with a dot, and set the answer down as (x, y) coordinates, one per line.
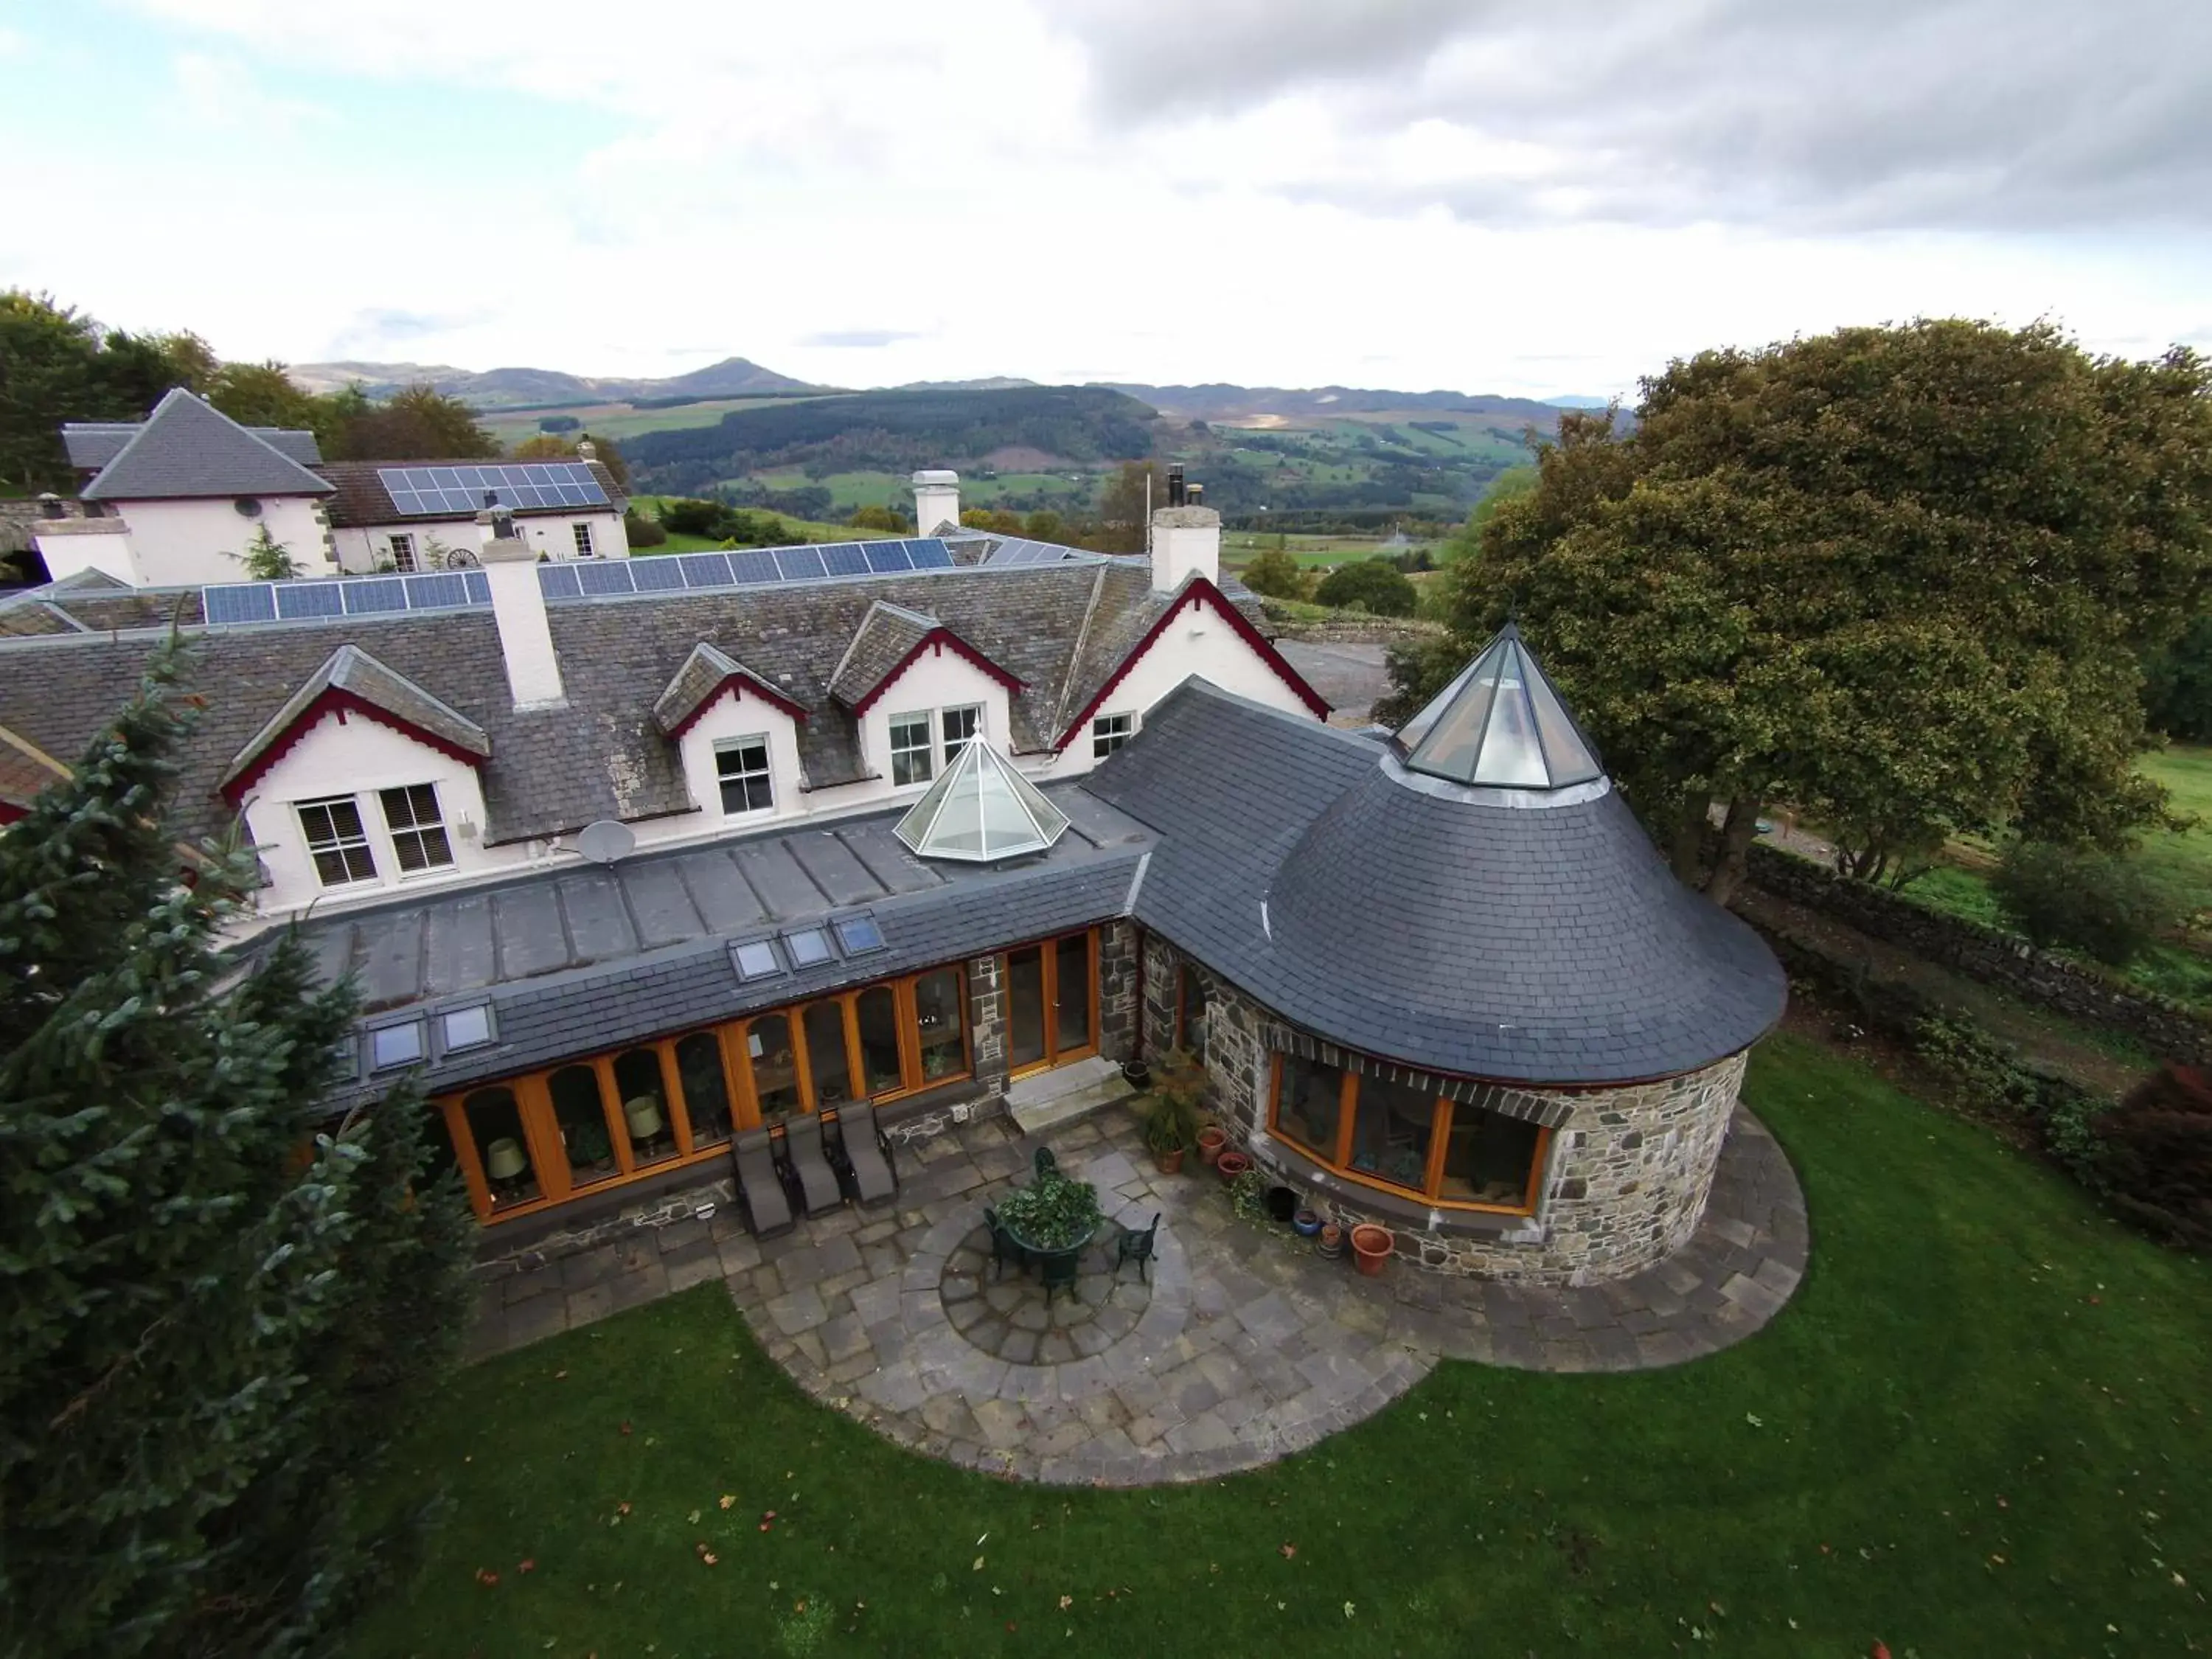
(817, 1182)
(760, 1185)
(864, 1157)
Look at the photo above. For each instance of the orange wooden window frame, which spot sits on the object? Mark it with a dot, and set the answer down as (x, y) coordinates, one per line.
(540, 1131)
(1338, 1159)
(1047, 951)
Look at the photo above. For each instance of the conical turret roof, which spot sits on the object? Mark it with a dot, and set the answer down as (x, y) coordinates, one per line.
(980, 809)
(1500, 725)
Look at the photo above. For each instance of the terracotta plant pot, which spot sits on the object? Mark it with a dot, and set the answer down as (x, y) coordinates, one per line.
(1331, 1240)
(1211, 1141)
(1370, 1247)
(1230, 1165)
(1168, 1163)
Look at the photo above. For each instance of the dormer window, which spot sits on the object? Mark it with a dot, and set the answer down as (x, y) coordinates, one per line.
(418, 829)
(337, 841)
(912, 760)
(741, 767)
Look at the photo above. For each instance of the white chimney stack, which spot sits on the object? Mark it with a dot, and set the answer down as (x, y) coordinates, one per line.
(936, 501)
(1186, 542)
(518, 607)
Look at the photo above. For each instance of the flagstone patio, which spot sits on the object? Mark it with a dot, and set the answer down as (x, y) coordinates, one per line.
(1243, 1345)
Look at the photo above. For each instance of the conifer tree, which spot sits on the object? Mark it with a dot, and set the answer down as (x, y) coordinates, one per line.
(218, 1305)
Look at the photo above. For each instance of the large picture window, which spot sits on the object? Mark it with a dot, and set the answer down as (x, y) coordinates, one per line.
(540, 1139)
(1400, 1138)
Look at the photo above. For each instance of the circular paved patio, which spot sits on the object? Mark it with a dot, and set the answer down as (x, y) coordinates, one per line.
(1244, 1346)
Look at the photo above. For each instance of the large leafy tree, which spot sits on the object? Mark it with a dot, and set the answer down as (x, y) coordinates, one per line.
(416, 424)
(1900, 578)
(217, 1307)
(57, 364)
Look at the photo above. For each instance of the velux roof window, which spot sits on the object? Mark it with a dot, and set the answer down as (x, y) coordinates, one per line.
(858, 935)
(756, 958)
(395, 1045)
(809, 946)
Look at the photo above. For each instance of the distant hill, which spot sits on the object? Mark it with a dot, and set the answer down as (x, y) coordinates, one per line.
(1229, 402)
(509, 388)
(989, 383)
(894, 432)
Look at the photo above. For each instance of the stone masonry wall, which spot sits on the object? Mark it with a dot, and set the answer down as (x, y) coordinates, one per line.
(1626, 1176)
(1117, 989)
(1985, 954)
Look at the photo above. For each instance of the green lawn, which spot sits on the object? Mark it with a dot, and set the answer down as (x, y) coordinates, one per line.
(1979, 1429)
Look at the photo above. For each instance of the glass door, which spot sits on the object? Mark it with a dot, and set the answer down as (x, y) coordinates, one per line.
(1051, 1003)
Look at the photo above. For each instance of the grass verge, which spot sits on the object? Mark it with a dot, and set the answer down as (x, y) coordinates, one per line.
(1979, 1428)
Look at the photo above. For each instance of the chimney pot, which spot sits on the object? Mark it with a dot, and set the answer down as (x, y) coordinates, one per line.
(936, 501)
(1175, 493)
(50, 505)
(587, 450)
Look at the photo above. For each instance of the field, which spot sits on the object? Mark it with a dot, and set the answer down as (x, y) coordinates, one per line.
(1982, 1433)
(799, 529)
(2179, 863)
(618, 421)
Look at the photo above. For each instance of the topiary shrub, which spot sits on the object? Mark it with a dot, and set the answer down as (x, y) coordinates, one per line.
(2086, 902)
(643, 531)
(1276, 574)
(1377, 585)
(2157, 1156)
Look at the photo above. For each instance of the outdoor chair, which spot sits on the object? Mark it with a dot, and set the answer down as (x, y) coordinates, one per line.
(1137, 1248)
(1002, 1247)
(1048, 1166)
(1058, 1269)
(809, 1165)
(863, 1158)
(760, 1185)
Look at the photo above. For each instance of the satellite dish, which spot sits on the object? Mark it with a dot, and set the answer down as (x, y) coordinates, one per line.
(606, 841)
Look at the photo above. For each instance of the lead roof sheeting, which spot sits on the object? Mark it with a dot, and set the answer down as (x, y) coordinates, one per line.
(1539, 945)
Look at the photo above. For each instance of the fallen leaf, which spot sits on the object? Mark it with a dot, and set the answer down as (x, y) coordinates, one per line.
(1289, 1550)
(1347, 1609)
(728, 1499)
(530, 1565)
(486, 1577)
(1879, 1650)
(710, 1558)
(978, 1567)
(621, 1508)
(693, 1518)
(625, 1428)
(557, 1376)
(1009, 1627)
(1065, 1602)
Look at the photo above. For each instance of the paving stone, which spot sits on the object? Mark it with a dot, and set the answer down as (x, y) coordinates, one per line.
(799, 1310)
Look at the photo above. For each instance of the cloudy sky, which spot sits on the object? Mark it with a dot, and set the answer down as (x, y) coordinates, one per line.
(1483, 195)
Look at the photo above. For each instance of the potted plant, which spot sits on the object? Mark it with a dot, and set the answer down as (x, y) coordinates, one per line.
(1230, 1165)
(1177, 1091)
(1170, 1130)
(1052, 1214)
(1212, 1141)
(1331, 1242)
(1370, 1247)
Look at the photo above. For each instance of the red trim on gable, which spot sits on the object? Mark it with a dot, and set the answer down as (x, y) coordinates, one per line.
(11, 813)
(1200, 589)
(940, 637)
(337, 701)
(739, 684)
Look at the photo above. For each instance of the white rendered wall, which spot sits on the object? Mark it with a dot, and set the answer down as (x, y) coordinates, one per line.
(185, 543)
(110, 554)
(349, 754)
(939, 679)
(1198, 639)
(365, 548)
(737, 713)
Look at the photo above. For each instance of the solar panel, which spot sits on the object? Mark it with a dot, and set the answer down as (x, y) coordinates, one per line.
(845, 559)
(247, 601)
(602, 580)
(705, 569)
(656, 575)
(930, 554)
(439, 591)
(558, 581)
(479, 586)
(374, 596)
(753, 564)
(883, 557)
(301, 601)
(801, 564)
(417, 490)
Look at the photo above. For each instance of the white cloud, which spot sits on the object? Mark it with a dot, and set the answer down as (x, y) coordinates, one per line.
(1424, 194)
(219, 91)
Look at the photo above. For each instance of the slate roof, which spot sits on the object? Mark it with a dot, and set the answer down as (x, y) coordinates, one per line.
(187, 448)
(353, 671)
(588, 958)
(886, 637)
(1527, 943)
(705, 671)
(604, 756)
(361, 499)
(92, 444)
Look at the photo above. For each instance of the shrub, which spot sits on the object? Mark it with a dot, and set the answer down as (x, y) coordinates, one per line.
(1276, 574)
(643, 531)
(559, 423)
(880, 517)
(2086, 902)
(694, 517)
(2157, 1147)
(1377, 585)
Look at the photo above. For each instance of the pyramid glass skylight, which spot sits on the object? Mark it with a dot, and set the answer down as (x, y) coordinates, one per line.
(981, 809)
(1499, 725)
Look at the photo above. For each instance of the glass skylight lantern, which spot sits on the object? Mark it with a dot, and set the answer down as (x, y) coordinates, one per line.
(1500, 725)
(980, 809)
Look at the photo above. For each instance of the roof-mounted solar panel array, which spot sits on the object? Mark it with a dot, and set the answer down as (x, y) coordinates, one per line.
(743, 566)
(320, 599)
(1016, 551)
(420, 490)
